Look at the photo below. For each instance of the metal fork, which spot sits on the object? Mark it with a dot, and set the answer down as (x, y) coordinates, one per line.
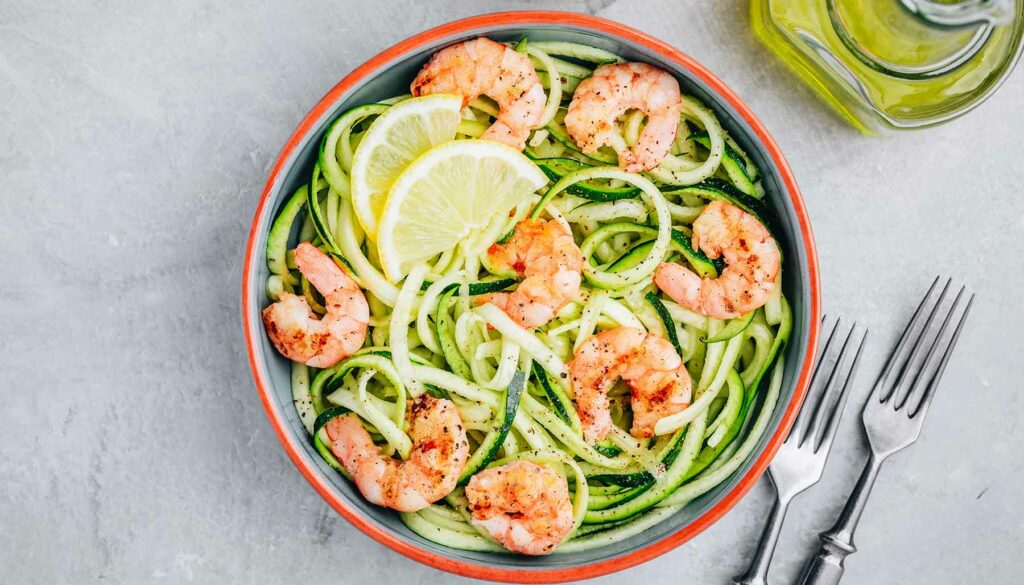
(801, 459)
(893, 415)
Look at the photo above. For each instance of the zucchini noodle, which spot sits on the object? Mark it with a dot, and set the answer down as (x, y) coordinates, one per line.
(554, 91)
(431, 333)
(399, 329)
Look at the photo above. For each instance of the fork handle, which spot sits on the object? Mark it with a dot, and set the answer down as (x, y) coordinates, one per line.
(757, 574)
(826, 567)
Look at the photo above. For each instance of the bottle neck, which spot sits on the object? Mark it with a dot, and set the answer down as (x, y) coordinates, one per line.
(962, 12)
(974, 19)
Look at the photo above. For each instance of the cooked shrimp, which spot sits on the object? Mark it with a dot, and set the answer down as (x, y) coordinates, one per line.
(440, 451)
(650, 365)
(609, 93)
(522, 505)
(752, 259)
(297, 332)
(543, 252)
(484, 67)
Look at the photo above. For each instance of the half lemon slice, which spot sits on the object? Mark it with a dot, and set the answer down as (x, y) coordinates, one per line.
(449, 193)
(395, 139)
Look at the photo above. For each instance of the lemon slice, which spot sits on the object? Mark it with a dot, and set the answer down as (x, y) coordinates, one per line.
(395, 139)
(450, 192)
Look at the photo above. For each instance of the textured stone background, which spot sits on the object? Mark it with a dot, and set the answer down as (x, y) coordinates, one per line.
(134, 138)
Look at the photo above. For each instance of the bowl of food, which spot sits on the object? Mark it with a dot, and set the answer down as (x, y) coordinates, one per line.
(531, 297)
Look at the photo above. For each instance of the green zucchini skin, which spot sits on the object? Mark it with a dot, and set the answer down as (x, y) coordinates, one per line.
(491, 444)
(608, 450)
(732, 162)
(444, 325)
(708, 454)
(327, 156)
(328, 380)
(704, 267)
(718, 189)
(647, 496)
(597, 158)
(643, 495)
(642, 478)
(556, 168)
(680, 242)
(578, 52)
(316, 213)
(327, 416)
(733, 328)
(561, 402)
(634, 256)
(280, 231)
(666, 320)
(481, 287)
(604, 502)
(444, 328)
(781, 339)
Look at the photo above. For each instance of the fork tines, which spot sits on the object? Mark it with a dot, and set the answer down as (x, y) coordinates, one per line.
(830, 385)
(916, 365)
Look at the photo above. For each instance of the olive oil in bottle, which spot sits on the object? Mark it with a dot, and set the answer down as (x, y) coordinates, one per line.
(895, 64)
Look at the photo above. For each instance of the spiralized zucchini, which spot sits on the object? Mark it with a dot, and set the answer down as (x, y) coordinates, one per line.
(430, 334)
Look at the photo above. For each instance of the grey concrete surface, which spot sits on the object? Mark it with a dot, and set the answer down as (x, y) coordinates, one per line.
(134, 139)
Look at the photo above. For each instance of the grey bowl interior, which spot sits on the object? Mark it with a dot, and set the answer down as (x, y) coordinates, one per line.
(393, 79)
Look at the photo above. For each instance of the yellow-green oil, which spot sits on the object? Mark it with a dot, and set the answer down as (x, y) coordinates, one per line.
(881, 66)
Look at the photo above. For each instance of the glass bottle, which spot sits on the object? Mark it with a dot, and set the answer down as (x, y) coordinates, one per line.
(895, 64)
